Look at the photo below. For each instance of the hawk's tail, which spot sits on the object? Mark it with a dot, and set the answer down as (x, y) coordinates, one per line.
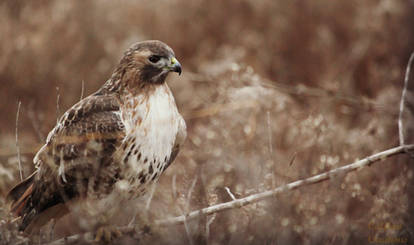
(19, 195)
(18, 198)
(32, 218)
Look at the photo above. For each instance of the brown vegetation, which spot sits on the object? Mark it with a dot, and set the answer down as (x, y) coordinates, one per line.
(272, 92)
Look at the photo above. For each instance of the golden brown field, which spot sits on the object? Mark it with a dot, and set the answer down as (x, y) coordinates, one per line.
(272, 92)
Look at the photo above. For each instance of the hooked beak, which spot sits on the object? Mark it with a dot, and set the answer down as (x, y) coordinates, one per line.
(175, 66)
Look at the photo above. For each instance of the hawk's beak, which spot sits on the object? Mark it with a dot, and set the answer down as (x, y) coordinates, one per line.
(175, 66)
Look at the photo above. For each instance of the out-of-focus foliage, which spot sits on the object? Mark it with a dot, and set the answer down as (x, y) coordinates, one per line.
(272, 91)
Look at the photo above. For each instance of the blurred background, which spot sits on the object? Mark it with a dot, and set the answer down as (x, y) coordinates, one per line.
(272, 91)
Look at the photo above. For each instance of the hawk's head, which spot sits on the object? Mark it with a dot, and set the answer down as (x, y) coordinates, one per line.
(149, 62)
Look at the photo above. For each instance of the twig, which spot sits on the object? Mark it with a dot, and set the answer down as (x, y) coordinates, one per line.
(57, 105)
(187, 228)
(402, 102)
(17, 141)
(209, 222)
(292, 160)
(230, 194)
(190, 192)
(269, 134)
(174, 187)
(187, 232)
(311, 180)
(83, 89)
(148, 204)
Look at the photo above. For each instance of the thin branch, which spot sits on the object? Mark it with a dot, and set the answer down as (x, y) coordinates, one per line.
(229, 192)
(208, 223)
(237, 203)
(148, 204)
(187, 228)
(190, 192)
(57, 105)
(293, 185)
(269, 134)
(83, 89)
(174, 187)
(292, 160)
(402, 102)
(17, 141)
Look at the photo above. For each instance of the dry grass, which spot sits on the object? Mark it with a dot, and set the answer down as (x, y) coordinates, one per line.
(272, 92)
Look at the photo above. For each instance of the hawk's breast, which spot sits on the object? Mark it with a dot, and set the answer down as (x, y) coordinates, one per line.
(151, 122)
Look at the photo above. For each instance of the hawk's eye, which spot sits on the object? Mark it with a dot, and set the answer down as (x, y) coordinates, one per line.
(154, 58)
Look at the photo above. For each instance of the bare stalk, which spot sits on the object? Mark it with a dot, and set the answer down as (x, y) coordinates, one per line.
(83, 90)
(187, 228)
(229, 192)
(57, 105)
(148, 204)
(402, 102)
(208, 223)
(269, 133)
(17, 141)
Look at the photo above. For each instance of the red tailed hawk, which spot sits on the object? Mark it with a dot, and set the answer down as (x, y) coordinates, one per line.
(128, 131)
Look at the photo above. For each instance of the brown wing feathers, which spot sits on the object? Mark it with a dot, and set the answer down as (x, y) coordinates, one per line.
(83, 142)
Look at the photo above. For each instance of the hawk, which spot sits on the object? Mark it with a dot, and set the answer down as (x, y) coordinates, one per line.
(129, 131)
